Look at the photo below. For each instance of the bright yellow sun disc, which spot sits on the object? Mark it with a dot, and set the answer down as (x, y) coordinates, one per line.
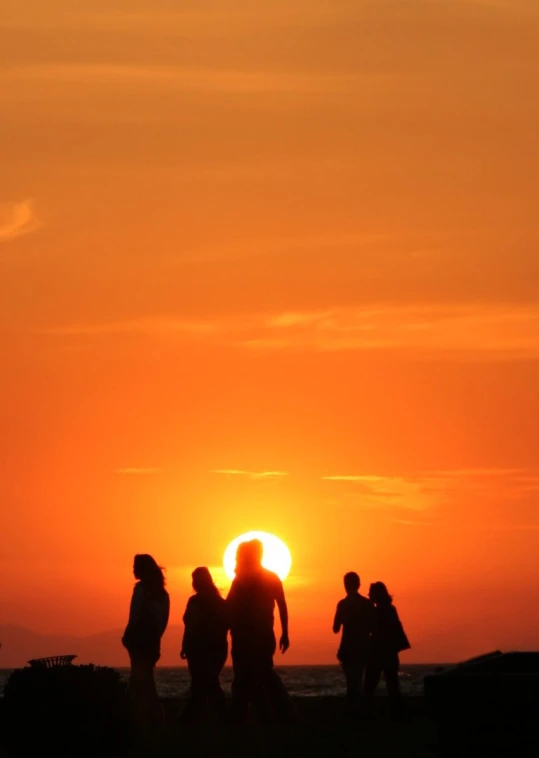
(276, 557)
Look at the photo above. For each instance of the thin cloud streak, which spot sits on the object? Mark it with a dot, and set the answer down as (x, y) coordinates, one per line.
(135, 471)
(471, 332)
(485, 329)
(432, 490)
(151, 326)
(354, 478)
(258, 248)
(250, 474)
(386, 492)
(210, 80)
(16, 220)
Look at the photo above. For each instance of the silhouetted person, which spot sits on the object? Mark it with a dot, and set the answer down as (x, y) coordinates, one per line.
(148, 619)
(389, 639)
(205, 645)
(355, 615)
(250, 604)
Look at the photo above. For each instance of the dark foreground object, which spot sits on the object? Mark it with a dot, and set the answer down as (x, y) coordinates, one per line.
(497, 684)
(325, 728)
(322, 728)
(493, 700)
(64, 709)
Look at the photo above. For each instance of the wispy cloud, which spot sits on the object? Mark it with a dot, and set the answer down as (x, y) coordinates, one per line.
(137, 471)
(486, 329)
(210, 80)
(431, 490)
(16, 220)
(501, 4)
(372, 491)
(153, 326)
(409, 522)
(353, 478)
(476, 331)
(250, 474)
(285, 245)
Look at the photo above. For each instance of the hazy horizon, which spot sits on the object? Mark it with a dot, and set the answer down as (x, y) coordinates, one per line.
(106, 650)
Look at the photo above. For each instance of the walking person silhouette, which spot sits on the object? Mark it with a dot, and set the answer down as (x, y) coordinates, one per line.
(389, 639)
(250, 605)
(205, 645)
(355, 616)
(148, 619)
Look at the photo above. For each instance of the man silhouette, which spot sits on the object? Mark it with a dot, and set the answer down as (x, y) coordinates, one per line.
(250, 607)
(355, 615)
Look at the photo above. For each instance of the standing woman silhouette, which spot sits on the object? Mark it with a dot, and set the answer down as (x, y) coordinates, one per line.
(148, 619)
(205, 645)
(388, 640)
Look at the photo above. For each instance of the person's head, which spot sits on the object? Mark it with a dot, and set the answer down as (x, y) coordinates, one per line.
(351, 582)
(146, 570)
(379, 595)
(249, 555)
(203, 583)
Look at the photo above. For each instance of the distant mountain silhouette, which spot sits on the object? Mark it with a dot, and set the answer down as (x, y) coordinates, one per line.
(19, 645)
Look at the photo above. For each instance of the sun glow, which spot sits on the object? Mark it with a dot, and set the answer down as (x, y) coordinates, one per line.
(277, 557)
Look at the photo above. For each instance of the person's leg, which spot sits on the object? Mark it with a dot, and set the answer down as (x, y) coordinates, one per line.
(259, 698)
(278, 697)
(145, 704)
(391, 675)
(240, 691)
(198, 692)
(258, 665)
(216, 694)
(373, 672)
(353, 672)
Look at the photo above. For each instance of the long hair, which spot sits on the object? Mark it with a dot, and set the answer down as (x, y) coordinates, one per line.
(378, 594)
(203, 583)
(148, 572)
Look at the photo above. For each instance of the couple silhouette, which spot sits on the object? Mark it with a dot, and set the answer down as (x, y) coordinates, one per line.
(248, 614)
(372, 638)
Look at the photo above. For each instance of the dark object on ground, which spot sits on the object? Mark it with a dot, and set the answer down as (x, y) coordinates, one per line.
(66, 709)
(495, 683)
(54, 660)
(492, 699)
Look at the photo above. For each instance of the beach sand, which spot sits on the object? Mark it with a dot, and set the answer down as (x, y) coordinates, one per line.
(323, 728)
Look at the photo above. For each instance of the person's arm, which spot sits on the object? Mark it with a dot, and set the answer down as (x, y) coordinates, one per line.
(373, 619)
(230, 604)
(190, 620)
(337, 622)
(284, 642)
(166, 613)
(185, 641)
(135, 611)
(137, 604)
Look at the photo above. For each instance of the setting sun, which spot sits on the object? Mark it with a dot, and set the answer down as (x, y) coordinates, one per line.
(277, 557)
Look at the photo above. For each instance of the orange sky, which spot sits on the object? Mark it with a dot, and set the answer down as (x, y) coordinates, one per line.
(291, 236)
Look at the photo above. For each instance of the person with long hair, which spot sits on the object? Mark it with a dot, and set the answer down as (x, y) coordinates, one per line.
(388, 640)
(148, 619)
(204, 645)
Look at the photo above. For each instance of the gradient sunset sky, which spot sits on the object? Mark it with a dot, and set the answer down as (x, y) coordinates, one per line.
(272, 265)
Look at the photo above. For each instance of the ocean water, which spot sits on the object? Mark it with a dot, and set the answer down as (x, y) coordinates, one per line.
(304, 681)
